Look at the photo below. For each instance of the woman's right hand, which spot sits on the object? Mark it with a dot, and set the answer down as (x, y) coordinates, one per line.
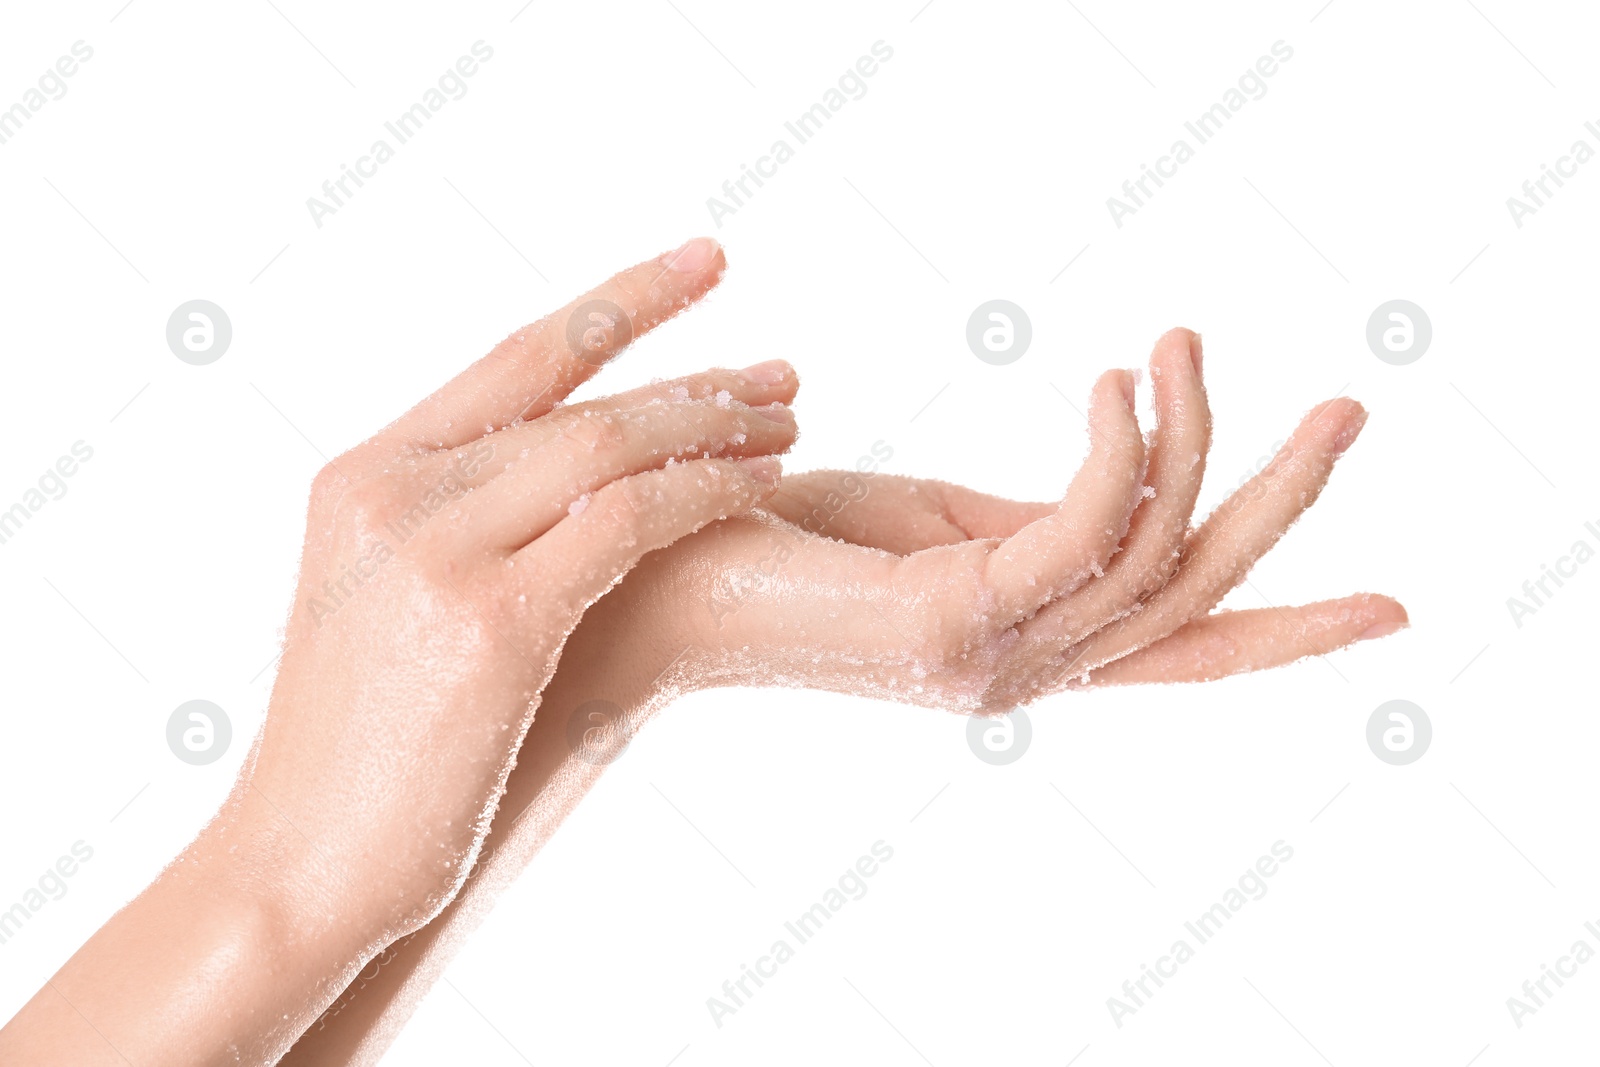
(929, 593)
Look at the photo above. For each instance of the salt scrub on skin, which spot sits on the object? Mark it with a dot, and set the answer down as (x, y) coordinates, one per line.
(831, 614)
(577, 506)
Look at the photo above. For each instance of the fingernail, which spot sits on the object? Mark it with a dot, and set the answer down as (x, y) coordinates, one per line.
(1352, 429)
(694, 255)
(1382, 629)
(764, 469)
(771, 372)
(1197, 355)
(1128, 392)
(775, 413)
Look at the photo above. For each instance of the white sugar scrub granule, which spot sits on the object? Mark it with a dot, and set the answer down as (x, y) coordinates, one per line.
(578, 505)
(737, 439)
(724, 399)
(1194, 460)
(1149, 492)
(680, 392)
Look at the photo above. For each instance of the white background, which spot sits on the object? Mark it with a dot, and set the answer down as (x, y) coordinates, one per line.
(977, 165)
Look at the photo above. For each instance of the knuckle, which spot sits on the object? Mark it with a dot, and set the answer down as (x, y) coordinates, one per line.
(365, 505)
(592, 430)
(618, 508)
(526, 346)
(328, 486)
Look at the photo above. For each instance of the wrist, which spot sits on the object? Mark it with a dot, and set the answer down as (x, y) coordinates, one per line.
(292, 888)
(226, 957)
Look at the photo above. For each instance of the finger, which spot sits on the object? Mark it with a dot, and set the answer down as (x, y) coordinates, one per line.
(896, 513)
(556, 480)
(773, 382)
(530, 371)
(585, 553)
(1234, 642)
(1237, 534)
(1156, 534)
(1054, 555)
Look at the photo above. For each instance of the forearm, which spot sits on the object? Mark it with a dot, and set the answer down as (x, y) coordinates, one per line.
(549, 779)
(237, 947)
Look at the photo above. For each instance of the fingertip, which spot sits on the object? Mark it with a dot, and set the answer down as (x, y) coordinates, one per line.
(1388, 616)
(1180, 339)
(1354, 418)
(697, 255)
(1175, 357)
(777, 412)
(769, 372)
(1336, 422)
(1115, 383)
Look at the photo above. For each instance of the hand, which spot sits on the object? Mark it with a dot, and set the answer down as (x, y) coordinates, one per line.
(446, 561)
(849, 585)
(977, 604)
